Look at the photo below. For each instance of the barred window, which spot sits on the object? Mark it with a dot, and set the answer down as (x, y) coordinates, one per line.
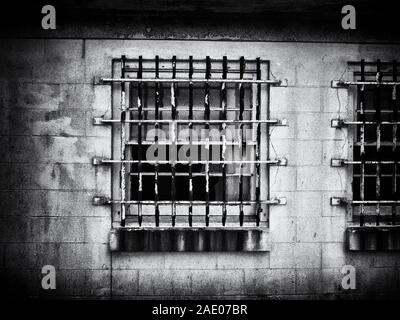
(374, 166)
(193, 142)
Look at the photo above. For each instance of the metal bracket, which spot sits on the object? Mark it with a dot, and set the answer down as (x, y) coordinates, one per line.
(97, 161)
(337, 201)
(281, 83)
(100, 200)
(282, 122)
(337, 123)
(338, 84)
(337, 162)
(279, 200)
(282, 162)
(98, 81)
(98, 121)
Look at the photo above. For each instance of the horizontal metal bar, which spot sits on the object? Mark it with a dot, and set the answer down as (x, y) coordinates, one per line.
(99, 81)
(198, 143)
(183, 108)
(194, 174)
(279, 122)
(99, 200)
(279, 162)
(337, 201)
(342, 162)
(344, 84)
(338, 123)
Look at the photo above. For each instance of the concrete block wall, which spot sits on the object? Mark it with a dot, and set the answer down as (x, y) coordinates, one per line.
(47, 180)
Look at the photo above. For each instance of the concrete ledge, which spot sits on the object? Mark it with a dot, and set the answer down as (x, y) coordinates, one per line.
(189, 239)
(373, 238)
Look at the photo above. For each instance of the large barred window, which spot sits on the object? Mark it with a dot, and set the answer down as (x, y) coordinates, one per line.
(374, 163)
(191, 142)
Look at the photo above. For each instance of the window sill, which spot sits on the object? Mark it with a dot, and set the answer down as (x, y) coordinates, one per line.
(373, 238)
(189, 239)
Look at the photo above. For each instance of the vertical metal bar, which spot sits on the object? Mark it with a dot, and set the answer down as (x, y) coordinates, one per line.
(190, 140)
(123, 145)
(378, 140)
(156, 127)
(241, 143)
(258, 138)
(173, 142)
(207, 129)
(394, 137)
(139, 138)
(361, 107)
(223, 151)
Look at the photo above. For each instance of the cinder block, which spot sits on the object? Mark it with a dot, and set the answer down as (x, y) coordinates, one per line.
(283, 229)
(333, 211)
(69, 283)
(283, 132)
(335, 100)
(386, 259)
(138, 260)
(41, 229)
(84, 256)
(324, 229)
(98, 283)
(282, 255)
(307, 255)
(97, 229)
(299, 204)
(97, 130)
(50, 202)
(359, 259)
(295, 99)
(374, 281)
(333, 255)
(282, 179)
(165, 282)
(298, 153)
(265, 282)
(318, 281)
(22, 121)
(28, 95)
(242, 260)
(321, 178)
(125, 282)
(46, 149)
(217, 282)
(191, 260)
(32, 255)
(317, 126)
(336, 149)
(55, 176)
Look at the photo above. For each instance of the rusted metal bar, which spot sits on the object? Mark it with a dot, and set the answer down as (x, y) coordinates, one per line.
(186, 121)
(340, 162)
(157, 103)
(123, 146)
(187, 142)
(394, 139)
(187, 80)
(361, 107)
(186, 108)
(207, 129)
(274, 201)
(223, 150)
(139, 137)
(241, 145)
(197, 174)
(190, 140)
(378, 140)
(341, 83)
(258, 134)
(173, 139)
(279, 162)
(340, 122)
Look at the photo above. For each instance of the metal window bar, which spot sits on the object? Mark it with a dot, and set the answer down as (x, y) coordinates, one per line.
(207, 127)
(157, 103)
(223, 128)
(382, 107)
(394, 139)
(141, 142)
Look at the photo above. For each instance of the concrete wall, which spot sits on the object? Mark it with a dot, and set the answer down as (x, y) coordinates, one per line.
(47, 181)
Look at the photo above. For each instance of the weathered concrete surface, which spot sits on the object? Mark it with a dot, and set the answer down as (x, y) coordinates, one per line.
(47, 181)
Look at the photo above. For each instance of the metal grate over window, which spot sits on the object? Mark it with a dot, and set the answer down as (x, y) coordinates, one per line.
(194, 139)
(376, 139)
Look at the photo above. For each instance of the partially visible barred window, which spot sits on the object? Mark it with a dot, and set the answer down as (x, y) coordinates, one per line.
(193, 142)
(375, 167)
